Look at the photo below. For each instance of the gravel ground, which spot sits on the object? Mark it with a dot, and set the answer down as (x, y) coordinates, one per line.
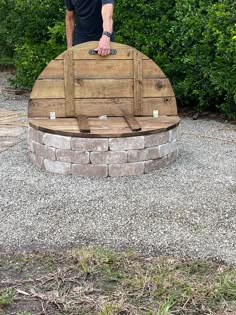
(186, 210)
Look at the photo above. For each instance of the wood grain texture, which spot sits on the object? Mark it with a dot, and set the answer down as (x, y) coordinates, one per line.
(103, 88)
(102, 68)
(69, 84)
(151, 70)
(164, 105)
(54, 70)
(48, 89)
(43, 107)
(77, 83)
(157, 88)
(96, 107)
(83, 123)
(112, 127)
(138, 82)
(132, 122)
(108, 106)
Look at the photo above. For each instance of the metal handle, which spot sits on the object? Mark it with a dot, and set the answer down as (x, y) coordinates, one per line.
(95, 52)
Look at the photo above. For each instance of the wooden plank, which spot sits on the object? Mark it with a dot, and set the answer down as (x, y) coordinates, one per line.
(54, 70)
(103, 88)
(86, 106)
(107, 106)
(90, 69)
(157, 88)
(48, 89)
(43, 107)
(148, 123)
(113, 131)
(164, 105)
(132, 122)
(83, 123)
(138, 83)
(97, 107)
(111, 122)
(151, 70)
(112, 127)
(69, 84)
(59, 122)
(103, 69)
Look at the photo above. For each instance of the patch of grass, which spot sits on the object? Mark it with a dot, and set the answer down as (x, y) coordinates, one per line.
(95, 281)
(166, 306)
(6, 296)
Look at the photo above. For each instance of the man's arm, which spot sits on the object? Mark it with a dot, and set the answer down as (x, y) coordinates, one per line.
(107, 16)
(70, 27)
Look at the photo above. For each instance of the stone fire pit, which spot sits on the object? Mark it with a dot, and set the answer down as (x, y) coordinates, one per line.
(112, 116)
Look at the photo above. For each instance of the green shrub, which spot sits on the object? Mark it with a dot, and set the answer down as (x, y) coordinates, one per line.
(202, 61)
(32, 58)
(34, 33)
(194, 42)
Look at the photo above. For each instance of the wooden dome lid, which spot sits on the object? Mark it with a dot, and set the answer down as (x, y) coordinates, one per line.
(78, 83)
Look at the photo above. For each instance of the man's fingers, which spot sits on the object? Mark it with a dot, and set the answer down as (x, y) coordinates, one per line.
(103, 51)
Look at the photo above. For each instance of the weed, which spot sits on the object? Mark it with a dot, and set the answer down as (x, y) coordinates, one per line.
(106, 310)
(6, 296)
(166, 306)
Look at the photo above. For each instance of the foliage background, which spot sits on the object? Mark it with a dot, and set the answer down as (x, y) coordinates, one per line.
(193, 41)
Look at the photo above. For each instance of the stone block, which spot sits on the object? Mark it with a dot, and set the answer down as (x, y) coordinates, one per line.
(8, 141)
(131, 143)
(156, 139)
(57, 167)
(127, 169)
(57, 141)
(87, 144)
(172, 157)
(168, 148)
(11, 131)
(35, 159)
(143, 155)
(35, 135)
(109, 157)
(90, 170)
(153, 165)
(173, 134)
(28, 140)
(31, 145)
(70, 156)
(44, 151)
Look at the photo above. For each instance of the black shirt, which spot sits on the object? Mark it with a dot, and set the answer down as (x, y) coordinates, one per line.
(88, 19)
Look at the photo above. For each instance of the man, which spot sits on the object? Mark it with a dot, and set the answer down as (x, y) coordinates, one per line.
(90, 20)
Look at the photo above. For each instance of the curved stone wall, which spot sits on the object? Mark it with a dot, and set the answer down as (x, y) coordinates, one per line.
(102, 156)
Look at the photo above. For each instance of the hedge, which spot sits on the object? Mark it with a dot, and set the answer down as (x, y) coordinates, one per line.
(194, 42)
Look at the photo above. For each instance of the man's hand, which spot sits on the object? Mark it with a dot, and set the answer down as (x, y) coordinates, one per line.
(104, 46)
